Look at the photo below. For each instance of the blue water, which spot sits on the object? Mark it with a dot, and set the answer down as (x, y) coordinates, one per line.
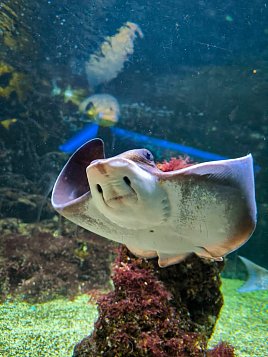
(191, 79)
(202, 64)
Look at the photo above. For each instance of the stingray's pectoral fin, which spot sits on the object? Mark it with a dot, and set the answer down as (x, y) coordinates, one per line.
(142, 253)
(165, 260)
(210, 254)
(71, 189)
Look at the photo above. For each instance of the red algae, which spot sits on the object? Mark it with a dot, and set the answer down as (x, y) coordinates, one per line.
(152, 312)
(37, 266)
(175, 164)
(223, 349)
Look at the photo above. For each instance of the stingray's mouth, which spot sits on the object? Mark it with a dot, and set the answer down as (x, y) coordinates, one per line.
(112, 180)
(115, 197)
(130, 197)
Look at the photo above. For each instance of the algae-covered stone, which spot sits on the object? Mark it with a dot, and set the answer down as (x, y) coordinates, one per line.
(156, 312)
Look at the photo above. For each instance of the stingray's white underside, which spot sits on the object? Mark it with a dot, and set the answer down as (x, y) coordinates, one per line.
(206, 208)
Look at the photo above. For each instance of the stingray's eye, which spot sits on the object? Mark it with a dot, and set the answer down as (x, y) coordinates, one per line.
(89, 106)
(148, 155)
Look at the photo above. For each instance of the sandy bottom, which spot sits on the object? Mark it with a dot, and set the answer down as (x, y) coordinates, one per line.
(53, 328)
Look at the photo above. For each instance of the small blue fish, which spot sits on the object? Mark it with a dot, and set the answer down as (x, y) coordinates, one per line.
(257, 277)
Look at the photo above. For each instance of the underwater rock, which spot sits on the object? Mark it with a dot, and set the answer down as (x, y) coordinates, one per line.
(24, 205)
(25, 199)
(156, 312)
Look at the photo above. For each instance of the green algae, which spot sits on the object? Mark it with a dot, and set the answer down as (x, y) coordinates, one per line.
(243, 320)
(53, 328)
(48, 329)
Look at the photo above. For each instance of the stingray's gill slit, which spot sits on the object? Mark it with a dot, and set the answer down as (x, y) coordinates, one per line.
(99, 189)
(127, 180)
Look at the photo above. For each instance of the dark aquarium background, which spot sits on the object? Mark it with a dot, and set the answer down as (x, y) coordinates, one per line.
(198, 77)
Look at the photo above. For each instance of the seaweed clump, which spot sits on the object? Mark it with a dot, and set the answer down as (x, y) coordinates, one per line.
(143, 317)
(11, 81)
(223, 349)
(175, 164)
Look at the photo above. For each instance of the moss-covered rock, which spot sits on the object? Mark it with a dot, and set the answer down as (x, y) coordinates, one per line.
(39, 262)
(156, 312)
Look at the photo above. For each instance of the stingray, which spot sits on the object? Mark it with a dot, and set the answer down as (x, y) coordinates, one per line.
(207, 208)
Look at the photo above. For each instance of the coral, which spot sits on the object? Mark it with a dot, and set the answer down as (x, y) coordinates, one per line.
(156, 312)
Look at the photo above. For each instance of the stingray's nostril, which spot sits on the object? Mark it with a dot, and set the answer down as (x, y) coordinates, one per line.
(99, 188)
(127, 180)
